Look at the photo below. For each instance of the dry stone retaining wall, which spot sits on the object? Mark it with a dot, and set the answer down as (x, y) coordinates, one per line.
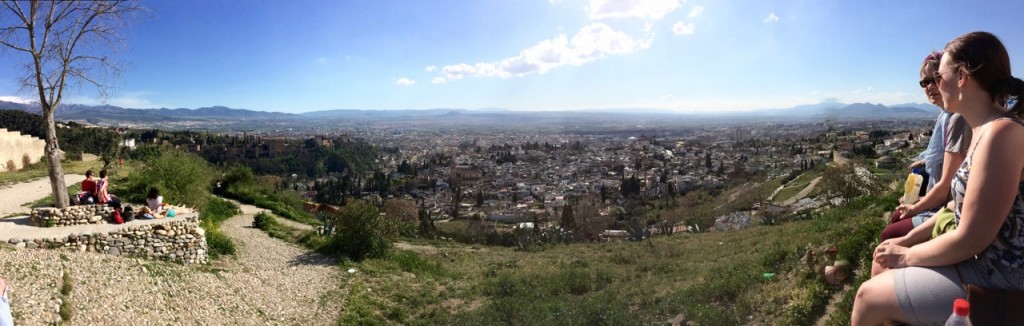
(72, 215)
(179, 241)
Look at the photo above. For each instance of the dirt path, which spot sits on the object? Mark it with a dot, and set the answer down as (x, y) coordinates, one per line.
(267, 282)
(14, 196)
(803, 193)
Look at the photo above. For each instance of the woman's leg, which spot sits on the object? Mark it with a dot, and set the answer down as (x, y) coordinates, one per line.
(876, 302)
(896, 230)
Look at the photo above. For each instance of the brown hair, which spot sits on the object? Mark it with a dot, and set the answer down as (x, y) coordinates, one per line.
(103, 173)
(88, 173)
(984, 58)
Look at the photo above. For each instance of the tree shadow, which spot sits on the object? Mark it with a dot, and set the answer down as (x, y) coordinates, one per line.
(310, 258)
(17, 220)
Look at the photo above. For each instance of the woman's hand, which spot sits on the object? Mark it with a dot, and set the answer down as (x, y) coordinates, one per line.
(891, 254)
(918, 163)
(905, 211)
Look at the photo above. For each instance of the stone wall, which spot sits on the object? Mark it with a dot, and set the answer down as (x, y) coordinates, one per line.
(14, 146)
(72, 215)
(179, 241)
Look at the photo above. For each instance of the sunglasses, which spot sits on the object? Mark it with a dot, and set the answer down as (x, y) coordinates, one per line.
(934, 79)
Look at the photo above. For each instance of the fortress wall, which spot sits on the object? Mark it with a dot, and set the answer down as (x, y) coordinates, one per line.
(14, 146)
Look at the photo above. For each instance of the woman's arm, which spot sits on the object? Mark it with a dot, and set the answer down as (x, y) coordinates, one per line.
(992, 186)
(940, 192)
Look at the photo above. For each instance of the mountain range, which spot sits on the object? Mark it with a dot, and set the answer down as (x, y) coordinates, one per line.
(220, 115)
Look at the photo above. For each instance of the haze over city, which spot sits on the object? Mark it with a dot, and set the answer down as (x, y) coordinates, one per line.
(672, 55)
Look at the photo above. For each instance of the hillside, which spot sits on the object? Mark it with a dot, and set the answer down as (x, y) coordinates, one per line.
(755, 275)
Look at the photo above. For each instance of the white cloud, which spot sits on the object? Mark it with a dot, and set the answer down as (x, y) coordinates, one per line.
(696, 11)
(405, 82)
(321, 60)
(681, 28)
(16, 99)
(650, 9)
(666, 97)
(592, 42)
(430, 68)
(771, 18)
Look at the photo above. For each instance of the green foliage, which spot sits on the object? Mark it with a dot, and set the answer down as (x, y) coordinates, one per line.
(268, 223)
(218, 243)
(262, 220)
(241, 184)
(360, 232)
(182, 178)
(73, 140)
(577, 294)
(215, 212)
(410, 262)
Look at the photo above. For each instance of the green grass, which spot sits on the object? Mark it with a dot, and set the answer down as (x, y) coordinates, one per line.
(281, 203)
(268, 223)
(215, 212)
(712, 278)
(798, 184)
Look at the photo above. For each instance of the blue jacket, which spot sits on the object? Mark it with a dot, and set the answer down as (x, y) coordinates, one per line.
(933, 155)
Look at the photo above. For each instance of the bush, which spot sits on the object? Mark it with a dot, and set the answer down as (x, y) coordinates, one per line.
(263, 220)
(360, 232)
(215, 212)
(181, 177)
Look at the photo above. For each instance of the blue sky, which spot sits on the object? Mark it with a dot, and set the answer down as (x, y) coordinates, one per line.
(676, 55)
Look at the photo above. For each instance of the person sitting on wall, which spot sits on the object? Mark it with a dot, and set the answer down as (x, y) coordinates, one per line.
(155, 206)
(103, 196)
(88, 194)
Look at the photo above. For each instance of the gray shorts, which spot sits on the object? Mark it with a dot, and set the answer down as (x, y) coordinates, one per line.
(926, 294)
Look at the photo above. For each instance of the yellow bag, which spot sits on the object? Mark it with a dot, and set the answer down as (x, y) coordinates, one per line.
(944, 222)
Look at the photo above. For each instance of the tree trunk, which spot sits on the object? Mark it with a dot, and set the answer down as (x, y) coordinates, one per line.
(53, 157)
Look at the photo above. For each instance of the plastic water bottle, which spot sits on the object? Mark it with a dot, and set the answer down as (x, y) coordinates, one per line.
(912, 188)
(961, 310)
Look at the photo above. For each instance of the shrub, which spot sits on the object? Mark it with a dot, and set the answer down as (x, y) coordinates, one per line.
(181, 177)
(262, 220)
(360, 232)
(215, 212)
(11, 167)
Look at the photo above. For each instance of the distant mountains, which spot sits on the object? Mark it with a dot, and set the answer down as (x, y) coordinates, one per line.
(222, 116)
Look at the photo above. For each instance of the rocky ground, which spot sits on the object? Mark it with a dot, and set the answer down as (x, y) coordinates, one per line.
(267, 282)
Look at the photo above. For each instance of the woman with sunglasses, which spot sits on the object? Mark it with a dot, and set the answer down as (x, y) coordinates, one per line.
(946, 151)
(987, 247)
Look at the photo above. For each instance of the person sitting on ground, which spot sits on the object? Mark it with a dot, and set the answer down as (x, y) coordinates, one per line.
(987, 246)
(955, 145)
(154, 206)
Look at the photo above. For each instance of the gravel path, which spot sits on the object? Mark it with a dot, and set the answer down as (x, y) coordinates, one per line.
(267, 282)
(14, 196)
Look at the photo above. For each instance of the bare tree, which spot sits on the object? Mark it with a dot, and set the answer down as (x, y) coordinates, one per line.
(66, 42)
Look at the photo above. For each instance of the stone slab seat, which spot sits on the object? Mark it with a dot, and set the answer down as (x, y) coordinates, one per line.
(178, 239)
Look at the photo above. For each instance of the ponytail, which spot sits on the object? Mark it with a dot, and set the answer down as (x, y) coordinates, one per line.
(1015, 89)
